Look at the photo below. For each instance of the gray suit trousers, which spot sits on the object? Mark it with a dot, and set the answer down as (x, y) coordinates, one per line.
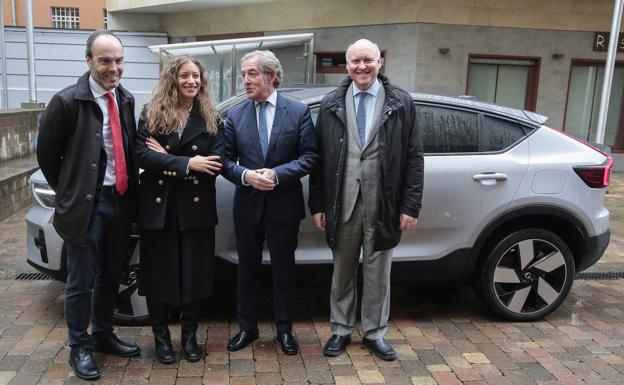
(353, 237)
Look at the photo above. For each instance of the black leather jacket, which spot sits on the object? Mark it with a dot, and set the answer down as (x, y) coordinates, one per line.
(401, 160)
(69, 152)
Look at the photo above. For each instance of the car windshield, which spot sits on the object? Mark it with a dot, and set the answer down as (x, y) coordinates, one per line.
(229, 102)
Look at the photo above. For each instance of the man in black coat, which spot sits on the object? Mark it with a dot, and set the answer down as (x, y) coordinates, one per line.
(270, 146)
(85, 151)
(367, 191)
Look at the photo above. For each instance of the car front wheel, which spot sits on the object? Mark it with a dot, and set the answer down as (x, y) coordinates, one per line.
(130, 307)
(527, 275)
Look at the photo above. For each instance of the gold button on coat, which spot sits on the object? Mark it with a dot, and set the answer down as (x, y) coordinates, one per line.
(194, 148)
(158, 200)
(196, 199)
(167, 147)
(165, 172)
(161, 182)
(173, 173)
(195, 181)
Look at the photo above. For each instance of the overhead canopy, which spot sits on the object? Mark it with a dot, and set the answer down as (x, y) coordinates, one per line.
(220, 57)
(227, 45)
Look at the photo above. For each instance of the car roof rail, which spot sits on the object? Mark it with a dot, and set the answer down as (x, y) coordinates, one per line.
(467, 97)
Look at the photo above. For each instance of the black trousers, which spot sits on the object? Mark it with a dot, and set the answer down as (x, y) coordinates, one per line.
(282, 242)
(94, 268)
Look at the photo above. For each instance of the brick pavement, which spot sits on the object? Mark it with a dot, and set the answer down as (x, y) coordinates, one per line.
(442, 335)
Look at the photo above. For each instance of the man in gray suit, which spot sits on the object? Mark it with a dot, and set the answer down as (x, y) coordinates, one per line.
(366, 192)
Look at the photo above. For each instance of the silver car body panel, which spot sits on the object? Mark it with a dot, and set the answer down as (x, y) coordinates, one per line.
(460, 200)
(40, 218)
(547, 147)
(456, 207)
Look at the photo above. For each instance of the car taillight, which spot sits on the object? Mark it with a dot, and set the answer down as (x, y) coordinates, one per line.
(596, 176)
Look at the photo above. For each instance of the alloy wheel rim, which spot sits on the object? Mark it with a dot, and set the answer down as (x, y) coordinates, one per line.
(530, 276)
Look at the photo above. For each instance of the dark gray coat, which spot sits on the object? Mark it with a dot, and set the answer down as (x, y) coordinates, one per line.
(69, 152)
(400, 158)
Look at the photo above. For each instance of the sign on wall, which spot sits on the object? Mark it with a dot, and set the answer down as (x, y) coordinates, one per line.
(601, 42)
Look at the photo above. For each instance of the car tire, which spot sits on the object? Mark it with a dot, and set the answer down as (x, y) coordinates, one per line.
(130, 307)
(527, 275)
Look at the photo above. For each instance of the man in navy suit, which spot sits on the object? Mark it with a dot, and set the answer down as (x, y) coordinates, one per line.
(270, 146)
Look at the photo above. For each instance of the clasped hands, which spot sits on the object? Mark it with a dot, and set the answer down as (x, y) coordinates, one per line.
(263, 179)
(207, 164)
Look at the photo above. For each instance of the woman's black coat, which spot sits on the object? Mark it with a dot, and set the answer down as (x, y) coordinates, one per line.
(177, 214)
(194, 192)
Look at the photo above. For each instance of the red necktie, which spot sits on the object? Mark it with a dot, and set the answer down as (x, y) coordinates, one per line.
(121, 176)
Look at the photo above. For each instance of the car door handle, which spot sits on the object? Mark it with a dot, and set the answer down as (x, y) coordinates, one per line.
(489, 178)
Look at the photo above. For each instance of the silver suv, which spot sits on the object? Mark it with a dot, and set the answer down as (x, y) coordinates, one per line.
(511, 207)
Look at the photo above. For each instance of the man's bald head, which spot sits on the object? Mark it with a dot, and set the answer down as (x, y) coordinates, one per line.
(363, 63)
(363, 43)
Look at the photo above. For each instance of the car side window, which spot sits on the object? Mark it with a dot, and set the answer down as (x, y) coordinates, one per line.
(449, 131)
(498, 134)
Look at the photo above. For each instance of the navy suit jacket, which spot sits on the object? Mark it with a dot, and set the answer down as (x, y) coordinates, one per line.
(292, 153)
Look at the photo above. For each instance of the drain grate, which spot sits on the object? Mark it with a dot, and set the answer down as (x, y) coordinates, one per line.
(32, 277)
(598, 276)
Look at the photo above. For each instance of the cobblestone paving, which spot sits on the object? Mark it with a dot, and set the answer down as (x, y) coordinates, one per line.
(442, 335)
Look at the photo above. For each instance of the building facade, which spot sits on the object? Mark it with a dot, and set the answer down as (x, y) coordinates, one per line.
(543, 56)
(61, 14)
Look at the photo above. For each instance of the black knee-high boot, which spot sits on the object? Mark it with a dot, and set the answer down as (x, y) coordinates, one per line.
(159, 313)
(189, 319)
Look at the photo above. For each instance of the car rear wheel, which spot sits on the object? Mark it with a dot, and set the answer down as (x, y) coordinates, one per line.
(527, 275)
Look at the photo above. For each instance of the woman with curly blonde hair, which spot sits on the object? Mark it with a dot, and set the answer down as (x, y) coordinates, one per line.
(180, 145)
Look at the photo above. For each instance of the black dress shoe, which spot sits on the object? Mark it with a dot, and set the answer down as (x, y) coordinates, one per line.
(190, 349)
(83, 364)
(162, 344)
(110, 344)
(241, 340)
(380, 348)
(288, 343)
(336, 345)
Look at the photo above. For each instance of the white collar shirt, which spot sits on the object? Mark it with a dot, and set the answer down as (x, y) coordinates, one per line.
(269, 112)
(99, 95)
(369, 102)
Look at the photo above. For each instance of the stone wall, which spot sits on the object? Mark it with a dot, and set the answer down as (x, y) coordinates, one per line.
(14, 192)
(18, 130)
(284, 15)
(18, 133)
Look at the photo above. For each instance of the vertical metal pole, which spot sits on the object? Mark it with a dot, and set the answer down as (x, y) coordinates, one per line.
(13, 13)
(221, 78)
(310, 70)
(5, 92)
(234, 71)
(614, 38)
(30, 53)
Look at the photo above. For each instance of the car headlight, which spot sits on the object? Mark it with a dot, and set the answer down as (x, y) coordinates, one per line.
(43, 193)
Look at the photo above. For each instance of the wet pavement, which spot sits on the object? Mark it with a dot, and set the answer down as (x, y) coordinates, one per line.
(441, 335)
